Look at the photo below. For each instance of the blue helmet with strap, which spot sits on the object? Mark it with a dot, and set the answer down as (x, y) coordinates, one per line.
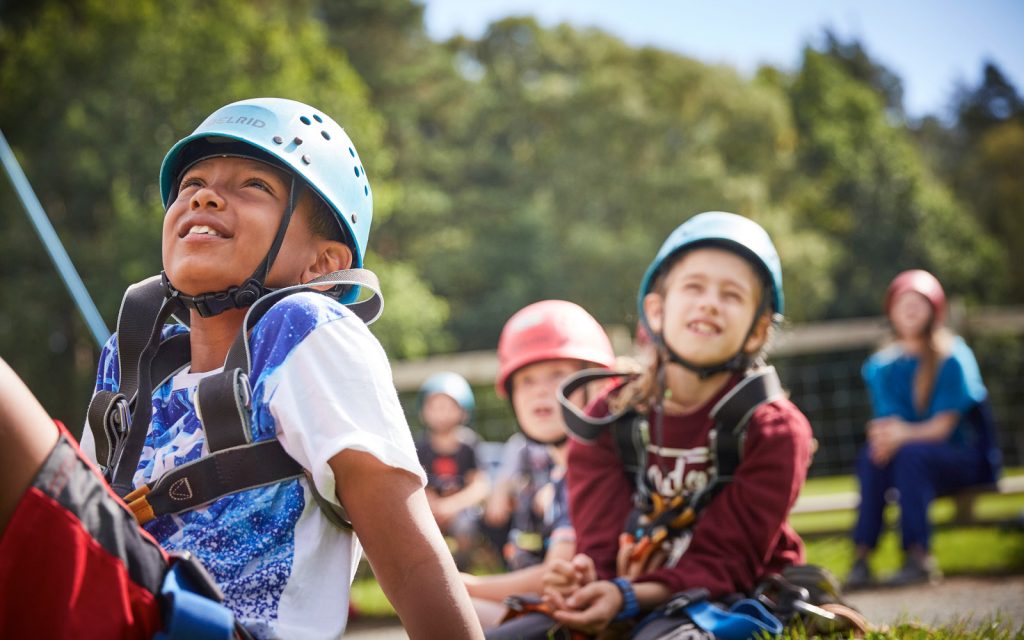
(302, 140)
(727, 231)
(452, 385)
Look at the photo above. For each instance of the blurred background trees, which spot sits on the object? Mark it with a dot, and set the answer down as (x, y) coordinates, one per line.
(531, 163)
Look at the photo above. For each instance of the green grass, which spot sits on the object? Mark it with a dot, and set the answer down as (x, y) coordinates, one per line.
(960, 551)
(992, 628)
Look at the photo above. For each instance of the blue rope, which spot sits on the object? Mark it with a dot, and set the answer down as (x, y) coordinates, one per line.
(53, 244)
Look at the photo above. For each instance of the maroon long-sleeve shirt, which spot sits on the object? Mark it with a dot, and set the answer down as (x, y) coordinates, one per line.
(741, 535)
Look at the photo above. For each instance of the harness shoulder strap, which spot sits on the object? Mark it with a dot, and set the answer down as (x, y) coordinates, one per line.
(732, 414)
(223, 405)
(581, 426)
(108, 413)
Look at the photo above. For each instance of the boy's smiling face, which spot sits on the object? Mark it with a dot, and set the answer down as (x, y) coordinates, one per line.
(223, 221)
(535, 398)
(705, 305)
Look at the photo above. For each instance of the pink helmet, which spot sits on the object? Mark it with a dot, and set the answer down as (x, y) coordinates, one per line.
(924, 283)
(550, 330)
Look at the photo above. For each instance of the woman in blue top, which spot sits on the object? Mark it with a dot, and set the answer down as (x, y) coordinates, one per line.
(927, 397)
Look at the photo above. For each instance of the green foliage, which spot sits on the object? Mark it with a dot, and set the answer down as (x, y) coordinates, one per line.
(531, 163)
(94, 94)
(863, 185)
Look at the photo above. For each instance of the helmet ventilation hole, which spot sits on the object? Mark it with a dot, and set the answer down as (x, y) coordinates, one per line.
(353, 218)
(352, 152)
(326, 135)
(305, 120)
(366, 190)
(317, 118)
(356, 169)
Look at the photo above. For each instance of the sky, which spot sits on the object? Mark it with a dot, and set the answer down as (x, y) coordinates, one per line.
(931, 46)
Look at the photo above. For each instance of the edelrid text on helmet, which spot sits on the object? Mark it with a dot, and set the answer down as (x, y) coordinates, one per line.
(550, 330)
(304, 141)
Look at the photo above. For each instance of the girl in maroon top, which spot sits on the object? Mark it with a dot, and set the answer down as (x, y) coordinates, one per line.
(708, 301)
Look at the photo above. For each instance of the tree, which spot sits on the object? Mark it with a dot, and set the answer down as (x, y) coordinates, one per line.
(862, 182)
(94, 93)
(580, 156)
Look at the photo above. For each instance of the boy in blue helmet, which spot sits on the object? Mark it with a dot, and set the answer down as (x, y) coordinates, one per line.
(273, 447)
(456, 482)
(684, 518)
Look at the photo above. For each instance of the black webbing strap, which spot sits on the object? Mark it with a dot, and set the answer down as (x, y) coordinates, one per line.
(630, 430)
(200, 482)
(222, 404)
(732, 413)
(126, 456)
(223, 399)
(582, 426)
(141, 304)
(108, 411)
(107, 418)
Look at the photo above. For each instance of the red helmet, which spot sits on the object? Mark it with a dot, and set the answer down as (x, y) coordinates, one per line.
(924, 283)
(550, 330)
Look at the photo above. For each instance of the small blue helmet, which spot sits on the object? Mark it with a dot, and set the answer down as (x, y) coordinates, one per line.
(452, 385)
(302, 139)
(725, 230)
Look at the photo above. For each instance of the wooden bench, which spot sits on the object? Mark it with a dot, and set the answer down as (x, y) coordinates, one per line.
(963, 506)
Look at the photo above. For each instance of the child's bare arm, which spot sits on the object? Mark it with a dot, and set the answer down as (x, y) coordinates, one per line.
(414, 567)
(472, 494)
(521, 582)
(26, 437)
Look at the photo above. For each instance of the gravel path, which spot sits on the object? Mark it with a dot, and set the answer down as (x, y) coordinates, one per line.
(955, 599)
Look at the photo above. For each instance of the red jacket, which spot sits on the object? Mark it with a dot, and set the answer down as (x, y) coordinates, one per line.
(743, 532)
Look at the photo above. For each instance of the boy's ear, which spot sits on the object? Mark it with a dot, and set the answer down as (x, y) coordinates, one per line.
(330, 256)
(653, 304)
(757, 339)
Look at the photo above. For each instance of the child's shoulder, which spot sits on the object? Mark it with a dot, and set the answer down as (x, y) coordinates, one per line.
(300, 316)
(885, 356)
(300, 313)
(882, 360)
(781, 416)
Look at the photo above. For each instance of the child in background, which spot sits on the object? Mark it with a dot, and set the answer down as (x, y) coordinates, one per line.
(456, 483)
(265, 194)
(540, 346)
(932, 431)
(524, 466)
(708, 301)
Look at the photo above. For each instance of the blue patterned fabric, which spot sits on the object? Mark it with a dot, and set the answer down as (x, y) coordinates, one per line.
(245, 540)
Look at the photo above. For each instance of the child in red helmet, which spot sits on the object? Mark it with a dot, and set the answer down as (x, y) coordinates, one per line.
(540, 346)
(929, 435)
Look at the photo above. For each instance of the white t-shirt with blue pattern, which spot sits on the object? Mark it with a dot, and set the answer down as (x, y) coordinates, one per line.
(321, 384)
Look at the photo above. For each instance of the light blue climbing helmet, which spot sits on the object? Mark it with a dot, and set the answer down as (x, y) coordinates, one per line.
(299, 138)
(727, 231)
(452, 385)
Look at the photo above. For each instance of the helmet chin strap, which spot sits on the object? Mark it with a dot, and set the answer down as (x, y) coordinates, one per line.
(557, 442)
(737, 362)
(246, 294)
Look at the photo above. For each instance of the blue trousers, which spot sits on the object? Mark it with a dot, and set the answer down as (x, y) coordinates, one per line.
(920, 472)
